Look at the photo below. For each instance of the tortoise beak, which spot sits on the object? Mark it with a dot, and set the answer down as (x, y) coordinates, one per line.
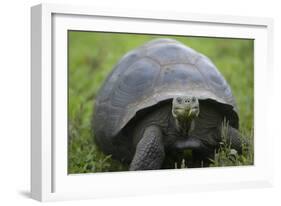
(193, 112)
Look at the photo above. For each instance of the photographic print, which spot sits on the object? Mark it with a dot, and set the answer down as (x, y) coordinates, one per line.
(137, 102)
(150, 102)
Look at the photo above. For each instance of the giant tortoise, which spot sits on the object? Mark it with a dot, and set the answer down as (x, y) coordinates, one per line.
(162, 97)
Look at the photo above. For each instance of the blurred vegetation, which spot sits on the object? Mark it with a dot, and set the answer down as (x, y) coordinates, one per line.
(91, 57)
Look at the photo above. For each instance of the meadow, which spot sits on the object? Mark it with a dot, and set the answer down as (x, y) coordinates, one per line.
(91, 57)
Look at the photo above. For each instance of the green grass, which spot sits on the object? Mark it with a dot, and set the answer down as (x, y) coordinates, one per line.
(92, 56)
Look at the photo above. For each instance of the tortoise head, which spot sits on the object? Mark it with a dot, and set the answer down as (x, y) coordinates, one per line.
(185, 108)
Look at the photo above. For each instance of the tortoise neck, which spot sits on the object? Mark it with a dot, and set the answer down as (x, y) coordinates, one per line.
(184, 127)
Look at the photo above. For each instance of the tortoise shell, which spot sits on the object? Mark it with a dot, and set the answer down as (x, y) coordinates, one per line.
(157, 71)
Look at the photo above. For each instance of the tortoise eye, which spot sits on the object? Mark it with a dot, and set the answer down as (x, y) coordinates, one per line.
(179, 100)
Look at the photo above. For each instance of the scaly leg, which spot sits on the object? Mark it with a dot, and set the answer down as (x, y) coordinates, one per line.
(233, 139)
(150, 152)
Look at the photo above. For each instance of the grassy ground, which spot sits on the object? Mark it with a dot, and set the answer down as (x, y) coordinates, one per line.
(93, 55)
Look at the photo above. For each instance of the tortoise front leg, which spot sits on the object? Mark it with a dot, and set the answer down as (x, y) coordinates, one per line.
(203, 156)
(149, 153)
(233, 138)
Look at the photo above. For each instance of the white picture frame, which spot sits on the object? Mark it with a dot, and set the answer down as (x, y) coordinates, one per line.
(49, 178)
